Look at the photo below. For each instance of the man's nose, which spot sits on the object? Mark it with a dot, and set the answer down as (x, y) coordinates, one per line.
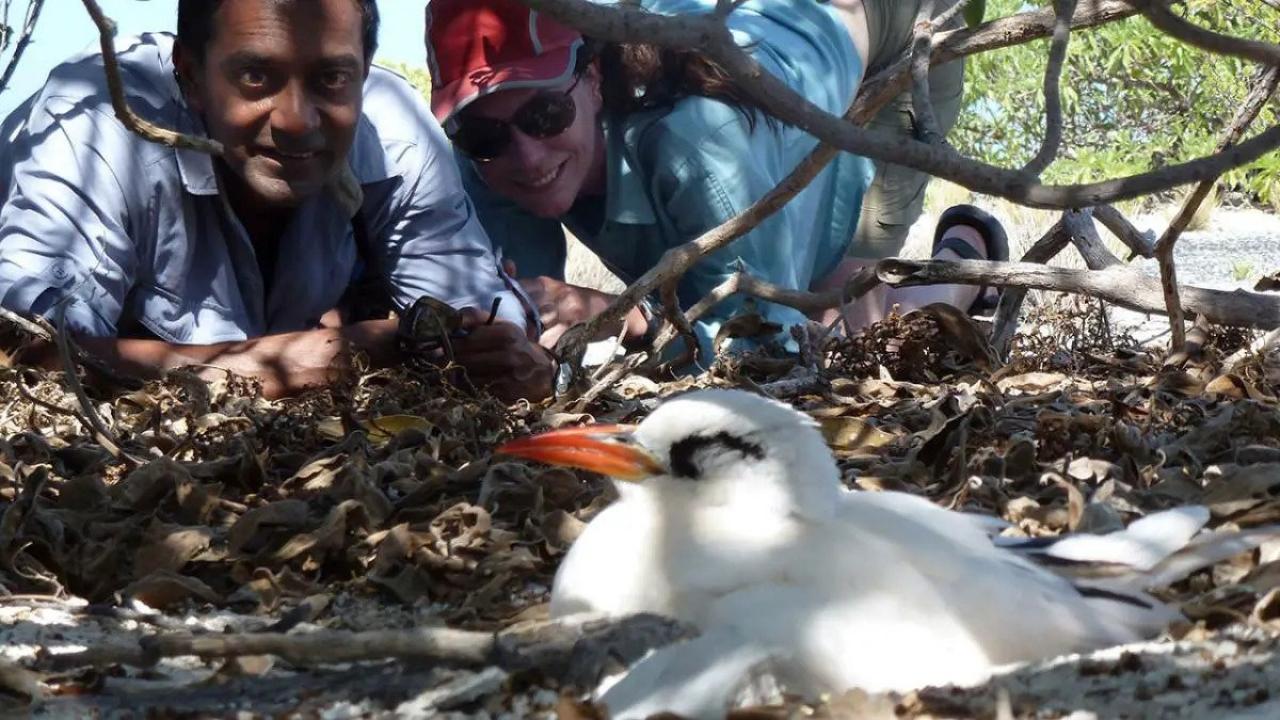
(295, 113)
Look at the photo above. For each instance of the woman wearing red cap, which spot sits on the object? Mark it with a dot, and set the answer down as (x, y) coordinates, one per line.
(638, 149)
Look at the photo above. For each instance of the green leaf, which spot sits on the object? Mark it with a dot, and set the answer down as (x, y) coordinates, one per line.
(974, 12)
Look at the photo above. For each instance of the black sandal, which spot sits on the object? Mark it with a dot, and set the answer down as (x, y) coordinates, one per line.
(993, 236)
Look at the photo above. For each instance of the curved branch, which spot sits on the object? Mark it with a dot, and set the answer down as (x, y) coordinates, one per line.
(126, 115)
(1262, 90)
(617, 23)
(28, 29)
(1159, 14)
(927, 127)
(1140, 244)
(1052, 140)
(877, 92)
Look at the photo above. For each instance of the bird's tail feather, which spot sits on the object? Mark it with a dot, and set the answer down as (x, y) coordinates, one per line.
(1153, 552)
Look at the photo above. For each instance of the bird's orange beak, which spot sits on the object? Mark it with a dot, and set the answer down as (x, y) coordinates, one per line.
(606, 449)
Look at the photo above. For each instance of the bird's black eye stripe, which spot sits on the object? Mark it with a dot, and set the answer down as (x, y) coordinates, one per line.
(684, 452)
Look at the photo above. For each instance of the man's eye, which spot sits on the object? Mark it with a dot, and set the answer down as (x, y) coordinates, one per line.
(336, 79)
(252, 78)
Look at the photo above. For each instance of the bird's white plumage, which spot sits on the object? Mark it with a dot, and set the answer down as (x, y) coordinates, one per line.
(753, 538)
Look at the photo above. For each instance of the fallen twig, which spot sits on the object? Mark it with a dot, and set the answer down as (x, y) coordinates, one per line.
(1118, 284)
(102, 434)
(556, 647)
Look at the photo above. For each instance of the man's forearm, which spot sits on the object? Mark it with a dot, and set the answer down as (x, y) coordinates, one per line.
(285, 364)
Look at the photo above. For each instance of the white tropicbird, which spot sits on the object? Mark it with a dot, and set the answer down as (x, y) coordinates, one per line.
(732, 517)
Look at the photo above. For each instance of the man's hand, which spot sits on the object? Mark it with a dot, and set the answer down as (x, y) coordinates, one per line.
(561, 306)
(501, 358)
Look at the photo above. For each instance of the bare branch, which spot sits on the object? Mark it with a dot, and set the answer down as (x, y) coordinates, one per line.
(1263, 89)
(1157, 11)
(1084, 235)
(994, 35)
(1119, 284)
(1258, 96)
(1140, 244)
(741, 283)
(927, 127)
(561, 647)
(126, 115)
(946, 16)
(1065, 10)
(101, 433)
(35, 330)
(24, 39)
(1010, 307)
(618, 23)
(878, 92)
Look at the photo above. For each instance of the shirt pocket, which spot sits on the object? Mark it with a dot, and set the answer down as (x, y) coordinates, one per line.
(185, 322)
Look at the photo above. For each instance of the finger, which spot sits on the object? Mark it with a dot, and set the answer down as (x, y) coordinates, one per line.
(498, 336)
(473, 318)
(509, 267)
(552, 335)
(497, 366)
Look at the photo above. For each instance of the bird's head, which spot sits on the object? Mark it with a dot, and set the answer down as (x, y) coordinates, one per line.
(712, 447)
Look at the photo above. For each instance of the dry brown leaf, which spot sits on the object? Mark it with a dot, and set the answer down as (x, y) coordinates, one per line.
(1242, 488)
(169, 547)
(852, 434)
(245, 535)
(163, 590)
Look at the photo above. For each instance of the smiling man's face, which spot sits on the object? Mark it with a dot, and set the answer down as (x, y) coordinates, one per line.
(280, 86)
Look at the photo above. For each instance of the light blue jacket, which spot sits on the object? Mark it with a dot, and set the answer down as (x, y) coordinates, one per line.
(139, 239)
(674, 174)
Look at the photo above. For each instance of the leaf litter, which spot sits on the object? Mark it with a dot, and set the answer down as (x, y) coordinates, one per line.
(379, 504)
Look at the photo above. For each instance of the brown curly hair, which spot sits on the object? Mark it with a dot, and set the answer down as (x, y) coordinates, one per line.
(642, 76)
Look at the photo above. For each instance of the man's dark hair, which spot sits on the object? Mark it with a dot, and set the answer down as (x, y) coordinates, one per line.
(195, 25)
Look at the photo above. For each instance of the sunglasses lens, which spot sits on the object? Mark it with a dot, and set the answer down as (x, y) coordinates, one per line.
(546, 115)
(482, 138)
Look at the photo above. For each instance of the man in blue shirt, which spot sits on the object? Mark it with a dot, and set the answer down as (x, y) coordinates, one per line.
(162, 257)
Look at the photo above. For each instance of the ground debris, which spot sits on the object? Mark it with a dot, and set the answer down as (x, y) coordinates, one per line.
(379, 505)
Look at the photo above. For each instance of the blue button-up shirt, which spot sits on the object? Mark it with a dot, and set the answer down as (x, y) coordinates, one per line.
(133, 234)
(675, 173)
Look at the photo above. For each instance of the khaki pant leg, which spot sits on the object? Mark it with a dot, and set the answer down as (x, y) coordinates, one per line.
(895, 199)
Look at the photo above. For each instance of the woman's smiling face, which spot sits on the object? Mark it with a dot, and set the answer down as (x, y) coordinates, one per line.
(545, 176)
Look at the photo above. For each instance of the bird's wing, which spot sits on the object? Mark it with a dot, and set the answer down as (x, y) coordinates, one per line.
(949, 577)
(1141, 546)
(613, 567)
(698, 678)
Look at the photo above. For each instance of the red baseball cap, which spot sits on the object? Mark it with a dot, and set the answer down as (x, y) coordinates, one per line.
(477, 47)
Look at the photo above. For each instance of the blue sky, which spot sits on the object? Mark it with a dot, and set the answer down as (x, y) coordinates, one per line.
(65, 29)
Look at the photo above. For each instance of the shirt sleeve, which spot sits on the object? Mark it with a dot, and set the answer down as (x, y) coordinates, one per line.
(64, 229)
(430, 236)
(703, 187)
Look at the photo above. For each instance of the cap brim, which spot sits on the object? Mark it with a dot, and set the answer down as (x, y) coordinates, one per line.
(550, 69)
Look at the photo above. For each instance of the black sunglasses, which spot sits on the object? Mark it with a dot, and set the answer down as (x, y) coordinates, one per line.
(545, 115)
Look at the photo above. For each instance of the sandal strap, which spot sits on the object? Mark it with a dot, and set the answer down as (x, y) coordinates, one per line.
(959, 247)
